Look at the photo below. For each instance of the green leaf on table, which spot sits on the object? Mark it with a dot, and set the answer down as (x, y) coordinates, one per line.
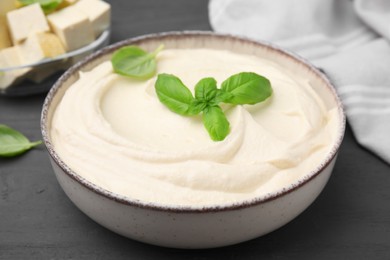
(13, 143)
(247, 88)
(132, 61)
(47, 6)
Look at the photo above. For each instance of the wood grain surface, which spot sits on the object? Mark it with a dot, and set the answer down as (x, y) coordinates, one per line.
(350, 219)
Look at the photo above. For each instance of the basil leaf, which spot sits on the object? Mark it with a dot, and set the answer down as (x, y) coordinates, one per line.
(13, 143)
(132, 61)
(215, 123)
(206, 89)
(247, 88)
(175, 95)
(222, 96)
(47, 6)
(241, 88)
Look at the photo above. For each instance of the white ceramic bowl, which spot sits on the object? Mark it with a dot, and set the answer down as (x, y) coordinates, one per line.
(40, 76)
(194, 227)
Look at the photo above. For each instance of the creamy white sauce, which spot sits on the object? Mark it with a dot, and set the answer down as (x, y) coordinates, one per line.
(114, 132)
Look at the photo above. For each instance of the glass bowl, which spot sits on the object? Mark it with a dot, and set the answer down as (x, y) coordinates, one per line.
(40, 76)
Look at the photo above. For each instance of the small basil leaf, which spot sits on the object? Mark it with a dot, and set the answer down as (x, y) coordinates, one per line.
(216, 123)
(247, 88)
(206, 89)
(47, 6)
(174, 94)
(13, 143)
(132, 61)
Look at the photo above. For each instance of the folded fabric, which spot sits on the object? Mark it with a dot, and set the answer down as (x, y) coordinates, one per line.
(347, 39)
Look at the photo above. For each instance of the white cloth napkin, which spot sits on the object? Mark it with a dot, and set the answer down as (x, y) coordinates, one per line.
(349, 40)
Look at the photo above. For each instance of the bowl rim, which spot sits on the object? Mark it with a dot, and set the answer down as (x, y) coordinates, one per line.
(191, 209)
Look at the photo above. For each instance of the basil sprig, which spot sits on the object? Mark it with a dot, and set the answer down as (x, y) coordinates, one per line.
(132, 61)
(239, 89)
(13, 143)
(47, 6)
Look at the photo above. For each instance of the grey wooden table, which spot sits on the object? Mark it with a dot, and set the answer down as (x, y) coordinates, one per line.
(350, 219)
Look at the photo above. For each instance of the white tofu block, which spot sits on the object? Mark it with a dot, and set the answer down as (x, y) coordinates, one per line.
(10, 57)
(98, 12)
(5, 7)
(25, 21)
(39, 46)
(72, 27)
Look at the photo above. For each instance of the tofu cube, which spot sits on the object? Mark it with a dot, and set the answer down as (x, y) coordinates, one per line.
(50, 44)
(39, 46)
(5, 7)
(25, 21)
(98, 12)
(72, 27)
(10, 57)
